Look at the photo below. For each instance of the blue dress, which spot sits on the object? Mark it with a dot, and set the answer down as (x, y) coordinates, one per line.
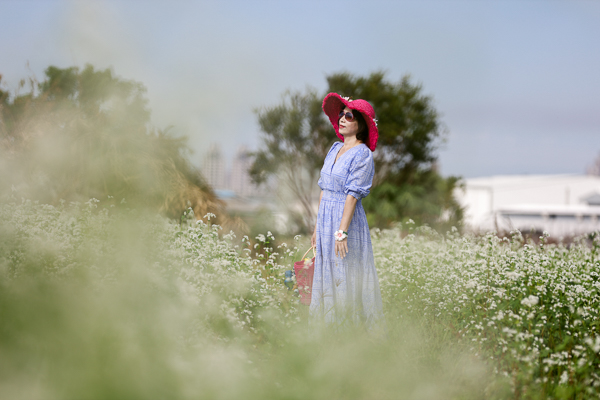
(345, 292)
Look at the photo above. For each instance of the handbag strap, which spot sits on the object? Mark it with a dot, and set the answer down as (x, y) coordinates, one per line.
(314, 253)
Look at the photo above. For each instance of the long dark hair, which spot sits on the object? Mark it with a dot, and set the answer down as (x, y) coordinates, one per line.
(363, 129)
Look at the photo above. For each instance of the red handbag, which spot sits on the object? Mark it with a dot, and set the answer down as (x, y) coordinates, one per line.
(305, 271)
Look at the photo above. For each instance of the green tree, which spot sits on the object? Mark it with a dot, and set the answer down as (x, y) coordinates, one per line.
(406, 185)
(86, 133)
(295, 143)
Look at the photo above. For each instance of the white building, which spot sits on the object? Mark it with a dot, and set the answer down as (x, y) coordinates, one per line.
(213, 168)
(562, 205)
(241, 183)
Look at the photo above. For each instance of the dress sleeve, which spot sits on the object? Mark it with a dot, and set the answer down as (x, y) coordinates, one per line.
(360, 176)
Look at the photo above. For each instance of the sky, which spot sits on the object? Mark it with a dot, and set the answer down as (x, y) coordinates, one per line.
(517, 83)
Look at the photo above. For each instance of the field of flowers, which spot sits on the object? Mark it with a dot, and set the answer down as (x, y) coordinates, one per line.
(532, 310)
(101, 302)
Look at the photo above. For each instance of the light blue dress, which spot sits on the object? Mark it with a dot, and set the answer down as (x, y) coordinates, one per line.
(345, 292)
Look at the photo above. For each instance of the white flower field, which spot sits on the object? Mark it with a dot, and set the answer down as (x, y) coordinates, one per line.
(100, 303)
(533, 311)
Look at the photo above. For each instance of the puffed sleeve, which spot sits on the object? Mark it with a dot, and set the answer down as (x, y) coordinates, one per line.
(360, 176)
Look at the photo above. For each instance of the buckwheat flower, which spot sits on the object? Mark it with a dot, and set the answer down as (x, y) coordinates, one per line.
(513, 275)
(594, 344)
(508, 331)
(564, 378)
(530, 301)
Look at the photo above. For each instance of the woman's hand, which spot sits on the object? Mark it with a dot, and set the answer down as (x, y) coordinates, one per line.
(341, 248)
(313, 239)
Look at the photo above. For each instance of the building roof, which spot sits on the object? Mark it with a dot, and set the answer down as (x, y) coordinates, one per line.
(550, 209)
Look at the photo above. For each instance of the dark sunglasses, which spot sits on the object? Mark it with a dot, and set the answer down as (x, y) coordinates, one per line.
(348, 115)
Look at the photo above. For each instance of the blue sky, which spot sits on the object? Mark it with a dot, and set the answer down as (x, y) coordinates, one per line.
(517, 82)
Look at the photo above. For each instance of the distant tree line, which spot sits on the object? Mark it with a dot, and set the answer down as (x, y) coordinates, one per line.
(407, 185)
(82, 134)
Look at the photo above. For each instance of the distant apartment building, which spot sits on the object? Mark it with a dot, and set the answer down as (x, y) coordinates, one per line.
(233, 183)
(240, 182)
(562, 205)
(213, 168)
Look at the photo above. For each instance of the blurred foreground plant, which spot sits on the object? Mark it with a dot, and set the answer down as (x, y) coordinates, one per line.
(82, 134)
(99, 302)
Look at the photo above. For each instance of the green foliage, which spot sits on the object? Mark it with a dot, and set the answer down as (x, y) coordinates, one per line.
(297, 137)
(97, 302)
(292, 128)
(84, 134)
(429, 200)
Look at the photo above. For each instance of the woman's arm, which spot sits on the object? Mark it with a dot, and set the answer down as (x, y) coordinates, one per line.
(341, 247)
(313, 240)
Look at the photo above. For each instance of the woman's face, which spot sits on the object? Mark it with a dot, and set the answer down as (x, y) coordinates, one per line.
(348, 128)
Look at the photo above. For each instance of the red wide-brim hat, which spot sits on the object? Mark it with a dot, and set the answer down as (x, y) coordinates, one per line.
(334, 103)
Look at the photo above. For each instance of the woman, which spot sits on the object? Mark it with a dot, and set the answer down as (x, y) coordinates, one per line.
(345, 289)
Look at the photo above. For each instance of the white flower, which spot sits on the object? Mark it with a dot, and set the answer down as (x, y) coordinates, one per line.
(471, 284)
(509, 332)
(513, 275)
(564, 378)
(375, 120)
(594, 344)
(530, 301)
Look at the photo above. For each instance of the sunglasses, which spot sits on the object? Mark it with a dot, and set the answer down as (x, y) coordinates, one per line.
(348, 115)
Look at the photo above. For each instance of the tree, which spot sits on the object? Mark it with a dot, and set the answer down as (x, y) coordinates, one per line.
(406, 184)
(295, 144)
(86, 133)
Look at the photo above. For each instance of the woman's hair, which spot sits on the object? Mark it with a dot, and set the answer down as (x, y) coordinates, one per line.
(363, 129)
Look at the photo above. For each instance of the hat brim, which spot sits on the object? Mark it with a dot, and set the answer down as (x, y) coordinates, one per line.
(334, 103)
